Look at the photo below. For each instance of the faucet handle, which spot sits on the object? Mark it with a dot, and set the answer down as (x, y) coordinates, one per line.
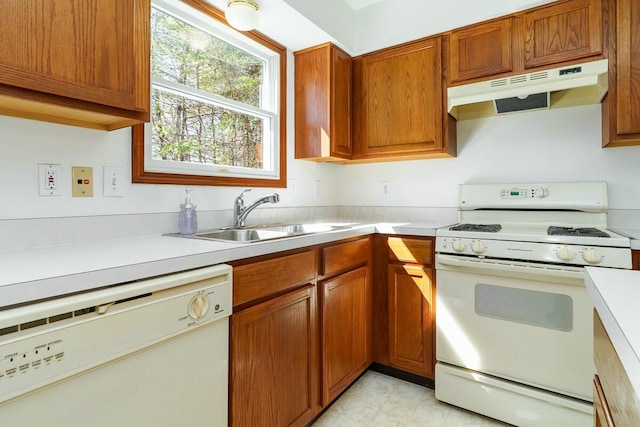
(240, 198)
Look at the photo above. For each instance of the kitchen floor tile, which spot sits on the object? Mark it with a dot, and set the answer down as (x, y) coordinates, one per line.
(378, 400)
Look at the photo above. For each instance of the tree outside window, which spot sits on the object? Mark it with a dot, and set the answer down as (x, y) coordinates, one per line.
(217, 114)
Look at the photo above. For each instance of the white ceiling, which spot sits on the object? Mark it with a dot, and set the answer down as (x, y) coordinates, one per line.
(360, 26)
(360, 4)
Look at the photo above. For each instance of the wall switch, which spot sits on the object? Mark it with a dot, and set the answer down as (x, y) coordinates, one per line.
(113, 181)
(385, 189)
(81, 181)
(292, 184)
(49, 179)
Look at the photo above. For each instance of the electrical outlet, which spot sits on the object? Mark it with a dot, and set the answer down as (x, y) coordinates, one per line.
(81, 181)
(385, 189)
(113, 181)
(49, 176)
(318, 186)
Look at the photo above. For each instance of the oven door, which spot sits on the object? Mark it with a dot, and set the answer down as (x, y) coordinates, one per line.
(524, 322)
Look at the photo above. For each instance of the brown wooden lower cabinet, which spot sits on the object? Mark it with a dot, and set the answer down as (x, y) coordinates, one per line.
(274, 377)
(411, 318)
(346, 346)
(635, 260)
(614, 399)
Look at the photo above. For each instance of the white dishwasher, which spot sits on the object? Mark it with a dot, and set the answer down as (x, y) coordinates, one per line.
(147, 353)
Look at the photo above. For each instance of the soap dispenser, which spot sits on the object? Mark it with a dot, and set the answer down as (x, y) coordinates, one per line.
(188, 221)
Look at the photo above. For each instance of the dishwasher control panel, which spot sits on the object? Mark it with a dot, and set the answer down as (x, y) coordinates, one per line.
(105, 325)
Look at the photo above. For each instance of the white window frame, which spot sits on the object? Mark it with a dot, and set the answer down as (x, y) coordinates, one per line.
(270, 101)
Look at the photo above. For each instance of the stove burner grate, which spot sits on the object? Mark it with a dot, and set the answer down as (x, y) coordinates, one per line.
(580, 231)
(484, 228)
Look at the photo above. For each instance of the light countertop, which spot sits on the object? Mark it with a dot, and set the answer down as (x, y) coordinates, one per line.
(615, 293)
(632, 233)
(45, 272)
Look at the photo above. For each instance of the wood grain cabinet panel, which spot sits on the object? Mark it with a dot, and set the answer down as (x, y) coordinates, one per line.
(621, 106)
(323, 103)
(563, 32)
(411, 319)
(77, 62)
(274, 377)
(260, 279)
(618, 399)
(399, 103)
(404, 249)
(345, 256)
(346, 331)
(481, 50)
(635, 259)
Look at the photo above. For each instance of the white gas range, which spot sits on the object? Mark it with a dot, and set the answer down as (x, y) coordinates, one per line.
(514, 321)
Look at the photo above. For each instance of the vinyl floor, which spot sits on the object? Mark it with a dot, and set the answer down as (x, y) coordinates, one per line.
(378, 400)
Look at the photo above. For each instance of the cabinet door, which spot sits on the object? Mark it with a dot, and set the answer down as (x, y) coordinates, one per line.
(323, 103)
(401, 101)
(346, 342)
(274, 362)
(635, 260)
(481, 50)
(563, 32)
(411, 319)
(91, 50)
(628, 68)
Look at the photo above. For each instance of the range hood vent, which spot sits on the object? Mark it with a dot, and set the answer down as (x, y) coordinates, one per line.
(556, 88)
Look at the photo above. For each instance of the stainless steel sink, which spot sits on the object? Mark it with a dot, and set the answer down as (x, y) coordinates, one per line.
(263, 232)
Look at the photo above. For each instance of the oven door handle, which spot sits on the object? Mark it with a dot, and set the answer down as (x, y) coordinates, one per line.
(521, 270)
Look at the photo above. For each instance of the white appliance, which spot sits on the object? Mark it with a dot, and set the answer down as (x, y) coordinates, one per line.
(514, 320)
(147, 353)
(567, 86)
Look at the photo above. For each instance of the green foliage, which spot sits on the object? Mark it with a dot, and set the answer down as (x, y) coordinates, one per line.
(191, 130)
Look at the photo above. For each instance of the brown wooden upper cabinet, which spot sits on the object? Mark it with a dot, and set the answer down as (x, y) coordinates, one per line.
(481, 50)
(621, 106)
(563, 32)
(323, 103)
(79, 63)
(543, 37)
(399, 104)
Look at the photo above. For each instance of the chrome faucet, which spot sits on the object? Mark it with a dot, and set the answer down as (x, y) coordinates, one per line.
(240, 212)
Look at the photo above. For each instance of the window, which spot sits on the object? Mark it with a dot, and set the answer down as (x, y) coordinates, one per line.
(217, 103)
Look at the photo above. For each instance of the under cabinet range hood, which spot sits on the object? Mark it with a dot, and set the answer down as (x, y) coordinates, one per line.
(568, 86)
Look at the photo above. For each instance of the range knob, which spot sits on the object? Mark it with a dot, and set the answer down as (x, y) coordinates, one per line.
(592, 256)
(458, 245)
(565, 254)
(477, 247)
(198, 306)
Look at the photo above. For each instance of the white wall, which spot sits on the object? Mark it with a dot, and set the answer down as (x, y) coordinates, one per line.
(25, 143)
(553, 145)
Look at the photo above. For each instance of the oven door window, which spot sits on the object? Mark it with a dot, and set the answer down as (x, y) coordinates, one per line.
(536, 308)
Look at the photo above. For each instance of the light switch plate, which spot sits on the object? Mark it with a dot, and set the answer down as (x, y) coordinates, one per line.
(113, 181)
(81, 181)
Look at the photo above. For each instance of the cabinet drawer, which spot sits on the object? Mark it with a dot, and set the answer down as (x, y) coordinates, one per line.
(621, 397)
(260, 279)
(345, 256)
(418, 251)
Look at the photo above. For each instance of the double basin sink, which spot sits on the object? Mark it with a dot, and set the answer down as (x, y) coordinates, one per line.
(264, 232)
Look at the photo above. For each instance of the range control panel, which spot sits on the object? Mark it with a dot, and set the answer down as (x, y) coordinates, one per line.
(577, 255)
(524, 193)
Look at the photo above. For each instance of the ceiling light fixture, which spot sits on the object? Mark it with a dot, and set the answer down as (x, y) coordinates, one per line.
(242, 14)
